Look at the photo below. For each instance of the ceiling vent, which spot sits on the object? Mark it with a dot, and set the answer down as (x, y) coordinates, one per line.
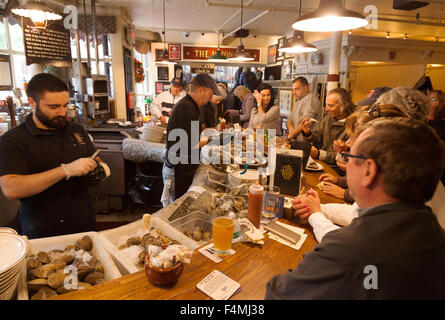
(408, 5)
(242, 33)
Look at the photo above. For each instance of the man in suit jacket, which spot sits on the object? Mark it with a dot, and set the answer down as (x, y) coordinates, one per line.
(395, 248)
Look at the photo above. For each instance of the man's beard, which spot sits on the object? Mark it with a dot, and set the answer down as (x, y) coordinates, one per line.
(58, 122)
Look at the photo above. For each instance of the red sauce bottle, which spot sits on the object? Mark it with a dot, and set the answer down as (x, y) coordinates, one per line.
(255, 204)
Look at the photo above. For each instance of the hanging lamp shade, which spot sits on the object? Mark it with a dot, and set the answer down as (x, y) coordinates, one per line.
(329, 17)
(165, 59)
(37, 11)
(241, 54)
(298, 45)
(218, 56)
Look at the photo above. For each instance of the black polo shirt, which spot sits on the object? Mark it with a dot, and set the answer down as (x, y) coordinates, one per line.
(63, 208)
(185, 111)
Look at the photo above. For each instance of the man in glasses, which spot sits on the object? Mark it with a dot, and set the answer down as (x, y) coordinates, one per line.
(395, 248)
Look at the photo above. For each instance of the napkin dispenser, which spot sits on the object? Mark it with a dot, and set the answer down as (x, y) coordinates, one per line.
(287, 177)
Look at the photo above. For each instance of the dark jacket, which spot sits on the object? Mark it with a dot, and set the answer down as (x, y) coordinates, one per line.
(325, 133)
(405, 243)
(249, 80)
(208, 114)
(237, 78)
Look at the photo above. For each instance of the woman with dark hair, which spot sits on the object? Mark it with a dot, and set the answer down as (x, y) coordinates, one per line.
(265, 114)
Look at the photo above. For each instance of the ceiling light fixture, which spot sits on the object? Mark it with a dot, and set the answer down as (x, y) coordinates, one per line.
(405, 36)
(241, 54)
(218, 56)
(38, 12)
(329, 17)
(164, 58)
(297, 43)
(388, 35)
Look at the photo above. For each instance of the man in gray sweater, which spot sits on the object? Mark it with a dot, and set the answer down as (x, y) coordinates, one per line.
(395, 248)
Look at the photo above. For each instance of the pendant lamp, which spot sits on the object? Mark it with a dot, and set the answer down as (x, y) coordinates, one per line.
(218, 56)
(241, 54)
(298, 45)
(164, 58)
(330, 16)
(38, 12)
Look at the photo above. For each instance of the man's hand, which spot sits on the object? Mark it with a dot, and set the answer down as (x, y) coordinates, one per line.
(163, 120)
(314, 152)
(306, 126)
(306, 204)
(340, 146)
(333, 190)
(327, 177)
(79, 167)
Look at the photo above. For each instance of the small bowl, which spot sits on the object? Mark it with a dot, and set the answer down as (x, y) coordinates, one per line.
(163, 277)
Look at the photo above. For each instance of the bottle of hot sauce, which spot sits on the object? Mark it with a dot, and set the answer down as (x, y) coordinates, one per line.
(255, 204)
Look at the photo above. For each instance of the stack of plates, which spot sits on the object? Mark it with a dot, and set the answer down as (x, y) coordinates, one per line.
(250, 177)
(13, 250)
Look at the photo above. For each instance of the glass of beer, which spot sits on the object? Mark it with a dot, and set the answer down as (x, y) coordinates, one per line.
(222, 228)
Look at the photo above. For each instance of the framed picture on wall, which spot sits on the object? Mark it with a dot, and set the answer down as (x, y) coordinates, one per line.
(159, 87)
(285, 101)
(158, 53)
(281, 44)
(162, 73)
(174, 51)
(5, 73)
(272, 54)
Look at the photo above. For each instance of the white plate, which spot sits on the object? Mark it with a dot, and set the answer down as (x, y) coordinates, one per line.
(13, 249)
(319, 167)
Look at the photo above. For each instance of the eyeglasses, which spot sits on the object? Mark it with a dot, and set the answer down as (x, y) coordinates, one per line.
(345, 156)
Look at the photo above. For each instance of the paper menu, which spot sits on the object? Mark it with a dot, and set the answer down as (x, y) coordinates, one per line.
(218, 286)
(295, 246)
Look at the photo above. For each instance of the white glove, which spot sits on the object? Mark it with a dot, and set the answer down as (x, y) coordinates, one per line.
(79, 167)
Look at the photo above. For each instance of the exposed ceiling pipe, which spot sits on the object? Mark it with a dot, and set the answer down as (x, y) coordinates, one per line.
(435, 24)
(246, 23)
(217, 30)
(259, 8)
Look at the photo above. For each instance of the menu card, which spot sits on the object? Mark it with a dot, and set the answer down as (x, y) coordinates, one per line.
(218, 286)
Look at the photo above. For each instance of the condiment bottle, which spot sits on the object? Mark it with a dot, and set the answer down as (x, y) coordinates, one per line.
(255, 204)
(222, 124)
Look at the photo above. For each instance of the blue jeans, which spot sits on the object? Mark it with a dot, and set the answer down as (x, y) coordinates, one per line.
(168, 174)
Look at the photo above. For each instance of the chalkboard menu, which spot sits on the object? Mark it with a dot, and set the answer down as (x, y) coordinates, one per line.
(47, 46)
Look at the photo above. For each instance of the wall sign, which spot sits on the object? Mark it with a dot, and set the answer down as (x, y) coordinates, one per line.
(174, 51)
(49, 46)
(208, 68)
(285, 101)
(203, 53)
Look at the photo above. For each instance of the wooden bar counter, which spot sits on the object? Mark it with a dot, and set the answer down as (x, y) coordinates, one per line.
(252, 266)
